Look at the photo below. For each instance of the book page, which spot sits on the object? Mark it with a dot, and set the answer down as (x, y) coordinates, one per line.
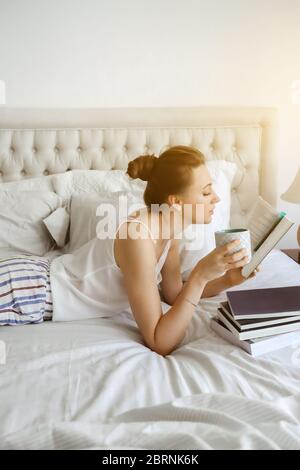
(262, 220)
(280, 230)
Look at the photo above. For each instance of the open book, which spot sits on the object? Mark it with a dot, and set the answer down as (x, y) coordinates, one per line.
(267, 227)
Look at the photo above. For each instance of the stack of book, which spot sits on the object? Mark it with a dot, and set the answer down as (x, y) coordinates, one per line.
(260, 320)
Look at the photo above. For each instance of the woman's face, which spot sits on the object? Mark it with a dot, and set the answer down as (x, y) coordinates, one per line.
(201, 196)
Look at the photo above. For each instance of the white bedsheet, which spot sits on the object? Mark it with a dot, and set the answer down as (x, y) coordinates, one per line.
(92, 383)
(54, 253)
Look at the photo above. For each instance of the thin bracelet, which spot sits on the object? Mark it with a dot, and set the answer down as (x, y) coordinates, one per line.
(195, 305)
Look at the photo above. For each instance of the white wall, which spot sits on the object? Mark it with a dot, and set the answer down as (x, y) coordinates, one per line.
(98, 53)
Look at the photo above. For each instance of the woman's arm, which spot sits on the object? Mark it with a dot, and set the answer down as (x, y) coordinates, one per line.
(231, 278)
(172, 283)
(216, 286)
(161, 332)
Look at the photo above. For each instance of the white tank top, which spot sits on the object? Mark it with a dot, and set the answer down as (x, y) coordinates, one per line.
(88, 283)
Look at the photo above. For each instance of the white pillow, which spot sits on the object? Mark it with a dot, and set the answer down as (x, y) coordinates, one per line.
(58, 224)
(199, 240)
(84, 220)
(21, 220)
(105, 182)
(94, 181)
(42, 183)
(74, 182)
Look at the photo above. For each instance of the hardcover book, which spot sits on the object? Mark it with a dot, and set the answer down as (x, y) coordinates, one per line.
(256, 346)
(265, 302)
(267, 226)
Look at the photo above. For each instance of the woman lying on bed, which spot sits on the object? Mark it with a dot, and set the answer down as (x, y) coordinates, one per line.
(109, 275)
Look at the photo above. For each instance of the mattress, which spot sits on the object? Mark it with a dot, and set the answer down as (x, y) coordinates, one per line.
(93, 384)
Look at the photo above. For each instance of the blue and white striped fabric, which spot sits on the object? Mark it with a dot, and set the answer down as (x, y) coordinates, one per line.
(25, 290)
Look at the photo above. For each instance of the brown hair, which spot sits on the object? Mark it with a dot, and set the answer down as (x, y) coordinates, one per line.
(169, 173)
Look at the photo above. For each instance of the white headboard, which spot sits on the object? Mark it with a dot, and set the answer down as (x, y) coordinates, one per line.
(36, 142)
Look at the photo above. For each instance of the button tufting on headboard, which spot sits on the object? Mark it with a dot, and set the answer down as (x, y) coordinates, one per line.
(61, 150)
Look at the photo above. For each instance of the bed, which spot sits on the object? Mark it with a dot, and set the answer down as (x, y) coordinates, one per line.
(93, 384)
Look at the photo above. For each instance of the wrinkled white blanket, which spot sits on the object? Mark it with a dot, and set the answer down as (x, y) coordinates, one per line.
(202, 421)
(93, 384)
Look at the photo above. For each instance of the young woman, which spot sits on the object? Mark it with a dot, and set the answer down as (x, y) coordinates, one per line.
(106, 276)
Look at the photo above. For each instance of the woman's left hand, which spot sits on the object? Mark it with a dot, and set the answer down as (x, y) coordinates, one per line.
(235, 277)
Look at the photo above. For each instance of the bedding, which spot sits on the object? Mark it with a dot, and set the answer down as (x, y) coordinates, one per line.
(57, 224)
(205, 421)
(199, 239)
(84, 216)
(206, 394)
(43, 183)
(25, 294)
(21, 220)
(93, 182)
(51, 254)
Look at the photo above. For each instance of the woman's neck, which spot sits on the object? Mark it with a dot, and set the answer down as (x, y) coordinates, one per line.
(166, 223)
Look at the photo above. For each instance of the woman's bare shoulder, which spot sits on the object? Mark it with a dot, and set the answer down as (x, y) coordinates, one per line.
(134, 246)
(133, 243)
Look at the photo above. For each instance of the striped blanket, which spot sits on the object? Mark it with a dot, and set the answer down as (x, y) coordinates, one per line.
(25, 291)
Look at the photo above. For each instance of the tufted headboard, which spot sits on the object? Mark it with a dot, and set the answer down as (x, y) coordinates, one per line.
(36, 142)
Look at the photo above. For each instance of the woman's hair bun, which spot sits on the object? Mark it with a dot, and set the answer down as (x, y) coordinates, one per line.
(142, 167)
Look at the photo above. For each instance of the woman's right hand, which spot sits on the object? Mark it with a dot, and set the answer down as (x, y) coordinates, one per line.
(220, 260)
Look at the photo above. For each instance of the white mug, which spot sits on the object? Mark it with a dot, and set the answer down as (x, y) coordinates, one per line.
(223, 237)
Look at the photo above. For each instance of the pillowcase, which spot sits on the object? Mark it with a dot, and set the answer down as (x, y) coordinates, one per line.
(58, 224)
(74, 182)
(84, 218)
(93, 182)
(21, 220)
(42, 183)
(199, 239)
